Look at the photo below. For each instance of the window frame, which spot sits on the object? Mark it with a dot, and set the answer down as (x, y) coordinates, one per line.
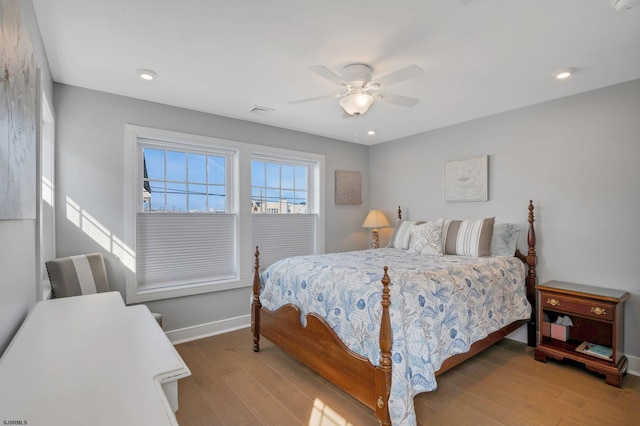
(240, 202)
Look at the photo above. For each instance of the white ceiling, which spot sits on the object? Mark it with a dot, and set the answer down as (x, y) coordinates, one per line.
(224, 57)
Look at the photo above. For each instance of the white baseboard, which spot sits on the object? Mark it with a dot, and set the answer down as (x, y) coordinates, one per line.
(200, 331)
(634, 365)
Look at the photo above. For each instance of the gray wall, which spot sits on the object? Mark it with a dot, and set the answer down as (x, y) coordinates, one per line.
(578, 159)
(90, 146)
(18, 247)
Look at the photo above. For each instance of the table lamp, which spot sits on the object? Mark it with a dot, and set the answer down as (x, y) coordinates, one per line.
(375, 219)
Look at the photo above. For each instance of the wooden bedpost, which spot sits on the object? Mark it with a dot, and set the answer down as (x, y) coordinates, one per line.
(383, 372)
(532, 278)
(399, 213)
(256, 305)
(531, 259)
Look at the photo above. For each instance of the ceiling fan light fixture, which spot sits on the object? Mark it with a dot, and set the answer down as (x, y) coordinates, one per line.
(356, 103)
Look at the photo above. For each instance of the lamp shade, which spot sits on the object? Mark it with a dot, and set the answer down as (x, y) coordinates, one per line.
(356, 102)
(375, 219)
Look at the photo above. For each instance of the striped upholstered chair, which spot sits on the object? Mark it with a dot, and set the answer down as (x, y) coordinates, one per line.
(78, 275)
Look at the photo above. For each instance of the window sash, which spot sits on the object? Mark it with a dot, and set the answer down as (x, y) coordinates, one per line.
(267, 190)
(165, 145)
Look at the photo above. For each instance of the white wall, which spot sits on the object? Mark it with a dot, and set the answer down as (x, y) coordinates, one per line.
(577, 158)
(90, 144)
(18, 237)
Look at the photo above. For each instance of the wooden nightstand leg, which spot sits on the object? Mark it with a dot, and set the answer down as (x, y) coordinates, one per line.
(615, 378)
(540, 356)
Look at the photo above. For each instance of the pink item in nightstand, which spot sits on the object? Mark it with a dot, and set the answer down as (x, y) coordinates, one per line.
(559, 332)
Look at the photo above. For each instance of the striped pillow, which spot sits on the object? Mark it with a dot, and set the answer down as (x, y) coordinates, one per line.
(469, 237)
(401, 235)
(77, 275)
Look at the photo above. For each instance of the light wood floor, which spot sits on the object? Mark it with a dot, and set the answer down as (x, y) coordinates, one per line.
(504, 385)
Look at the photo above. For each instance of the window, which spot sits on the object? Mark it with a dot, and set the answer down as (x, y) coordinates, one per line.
(191, 204)
(284, 215)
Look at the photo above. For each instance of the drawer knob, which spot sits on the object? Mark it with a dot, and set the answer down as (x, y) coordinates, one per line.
(553, 302)
(598, 310)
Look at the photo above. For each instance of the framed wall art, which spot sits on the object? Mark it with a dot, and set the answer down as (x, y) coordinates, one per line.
(348, 187)
(466, 180)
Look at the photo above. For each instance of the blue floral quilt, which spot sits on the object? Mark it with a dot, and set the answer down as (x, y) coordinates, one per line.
(439, 307)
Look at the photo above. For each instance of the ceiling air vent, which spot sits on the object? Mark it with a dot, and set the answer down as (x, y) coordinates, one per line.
(621, 5)
(260, 110)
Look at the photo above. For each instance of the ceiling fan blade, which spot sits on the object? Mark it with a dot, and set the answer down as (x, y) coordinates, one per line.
(328, 74)
(397, 99)
(317, 98)
(411, 71)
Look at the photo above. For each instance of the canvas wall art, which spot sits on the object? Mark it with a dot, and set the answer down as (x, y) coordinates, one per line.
(17, 116)
(466, 180)
(348, 187)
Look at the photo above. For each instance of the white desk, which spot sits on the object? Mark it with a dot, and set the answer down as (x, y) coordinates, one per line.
(90, 360)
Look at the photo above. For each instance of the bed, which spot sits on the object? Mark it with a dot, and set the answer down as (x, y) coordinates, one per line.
(381, 324)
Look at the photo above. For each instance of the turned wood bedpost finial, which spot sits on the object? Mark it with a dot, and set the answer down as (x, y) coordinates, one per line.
(257, 262)
(531, 238)
(399, 213)
(383, 373)
(532, 257)
(256, 305)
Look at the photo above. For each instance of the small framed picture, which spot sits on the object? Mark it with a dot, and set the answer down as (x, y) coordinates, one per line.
(466, 180)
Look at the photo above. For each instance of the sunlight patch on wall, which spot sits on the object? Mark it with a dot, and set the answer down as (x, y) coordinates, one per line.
(96, 231)
(47, 191)
(124, 253)
(323, 415)
(100, 234)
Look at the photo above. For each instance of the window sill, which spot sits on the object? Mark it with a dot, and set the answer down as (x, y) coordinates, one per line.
(135, 295)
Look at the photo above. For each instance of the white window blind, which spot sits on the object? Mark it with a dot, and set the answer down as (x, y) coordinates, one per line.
(174, 249)
(279, 236)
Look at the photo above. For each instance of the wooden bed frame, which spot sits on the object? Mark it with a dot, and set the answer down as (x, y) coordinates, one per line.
(318, 347)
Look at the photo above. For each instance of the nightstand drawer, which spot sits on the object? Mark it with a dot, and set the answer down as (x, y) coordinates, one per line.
(588, 308)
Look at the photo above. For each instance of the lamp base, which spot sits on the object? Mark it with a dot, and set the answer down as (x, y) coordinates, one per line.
(375, 242)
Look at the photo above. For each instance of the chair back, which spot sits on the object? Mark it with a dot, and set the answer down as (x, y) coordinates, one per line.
(77, 275)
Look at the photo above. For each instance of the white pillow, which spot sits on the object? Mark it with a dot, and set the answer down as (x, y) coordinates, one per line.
(505, 237)
(426, 238)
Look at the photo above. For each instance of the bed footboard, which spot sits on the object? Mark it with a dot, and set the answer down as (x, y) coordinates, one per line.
(318, 347)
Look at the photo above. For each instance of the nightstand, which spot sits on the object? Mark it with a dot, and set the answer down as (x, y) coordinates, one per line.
(597, 316)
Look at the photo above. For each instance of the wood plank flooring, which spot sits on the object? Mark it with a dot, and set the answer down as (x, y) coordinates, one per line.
(504, 385)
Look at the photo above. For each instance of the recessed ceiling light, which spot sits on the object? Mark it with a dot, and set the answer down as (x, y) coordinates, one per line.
(563, 73)
(371, 132)
(146, 74)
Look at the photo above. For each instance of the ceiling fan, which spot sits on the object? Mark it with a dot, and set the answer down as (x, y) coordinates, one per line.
(361, 90)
